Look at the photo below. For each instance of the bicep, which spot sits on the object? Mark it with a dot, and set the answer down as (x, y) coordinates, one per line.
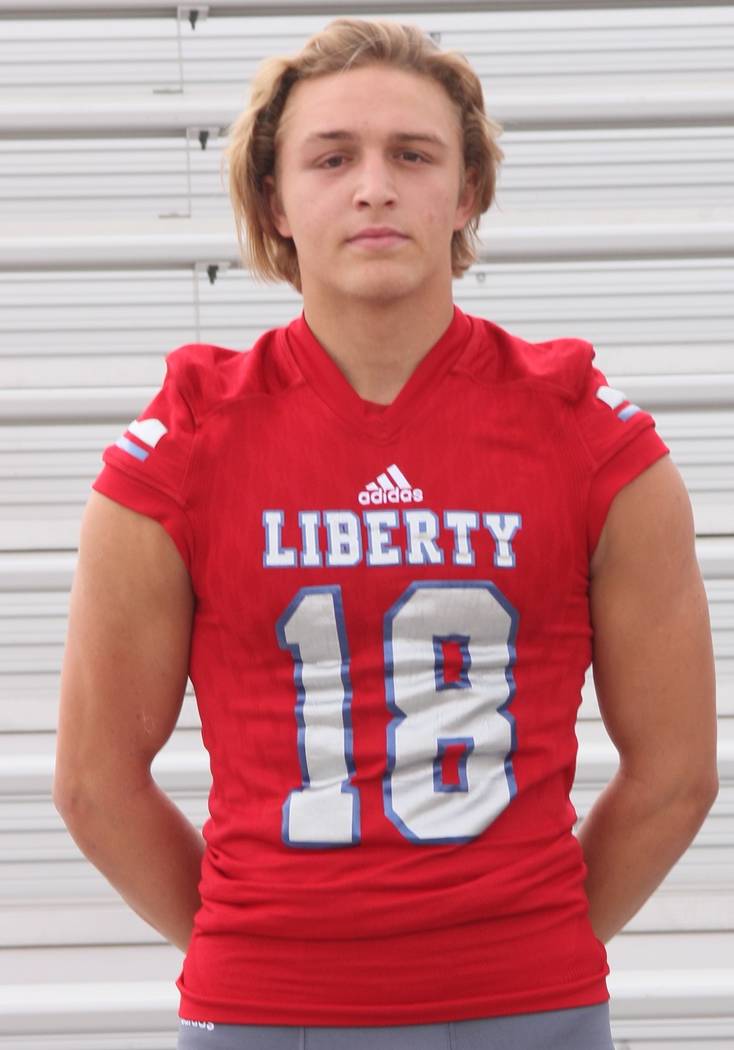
(652, 652)
(126, 657)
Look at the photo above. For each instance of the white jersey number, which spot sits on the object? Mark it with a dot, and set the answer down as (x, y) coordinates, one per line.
(449, 652)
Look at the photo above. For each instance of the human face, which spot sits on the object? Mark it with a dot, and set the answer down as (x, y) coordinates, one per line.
(370, 147)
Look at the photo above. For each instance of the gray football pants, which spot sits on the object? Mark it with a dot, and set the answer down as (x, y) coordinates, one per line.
(584, 1028)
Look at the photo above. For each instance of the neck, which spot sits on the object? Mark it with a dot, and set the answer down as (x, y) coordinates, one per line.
(377, 346)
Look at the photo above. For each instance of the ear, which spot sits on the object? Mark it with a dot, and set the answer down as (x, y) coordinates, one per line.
(466, 204)
(276, 208)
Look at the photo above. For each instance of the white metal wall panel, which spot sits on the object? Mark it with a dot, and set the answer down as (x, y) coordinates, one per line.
(614, 222)
(677, 48)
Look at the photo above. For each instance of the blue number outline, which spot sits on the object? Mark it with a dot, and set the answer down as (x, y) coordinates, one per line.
(399, 715)
(347, 787)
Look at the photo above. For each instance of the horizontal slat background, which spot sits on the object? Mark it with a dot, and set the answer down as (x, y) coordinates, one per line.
(681, 49)
(614, 222)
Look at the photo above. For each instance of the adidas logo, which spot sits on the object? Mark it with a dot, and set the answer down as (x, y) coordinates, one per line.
(390, 487)
(150, 431)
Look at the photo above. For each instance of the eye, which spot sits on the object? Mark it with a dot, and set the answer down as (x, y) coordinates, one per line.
(327, 162)
(334, 161)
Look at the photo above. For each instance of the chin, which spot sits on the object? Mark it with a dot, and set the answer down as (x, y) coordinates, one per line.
(382, 287)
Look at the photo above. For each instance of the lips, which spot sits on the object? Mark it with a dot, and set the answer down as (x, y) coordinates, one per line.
(378, 237)
(378, 233)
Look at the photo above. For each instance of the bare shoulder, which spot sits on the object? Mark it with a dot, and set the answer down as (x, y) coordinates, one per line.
(107, 523)
(652, 649)
(127, 561)
(649, 526)
(127, 649)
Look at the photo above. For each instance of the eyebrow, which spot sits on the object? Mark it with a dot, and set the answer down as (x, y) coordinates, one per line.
(396, 136)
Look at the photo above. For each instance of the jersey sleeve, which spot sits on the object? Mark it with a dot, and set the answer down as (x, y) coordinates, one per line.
(622, 442)
(147, 467)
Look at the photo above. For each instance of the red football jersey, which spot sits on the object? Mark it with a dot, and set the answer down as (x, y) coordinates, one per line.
(391, 633)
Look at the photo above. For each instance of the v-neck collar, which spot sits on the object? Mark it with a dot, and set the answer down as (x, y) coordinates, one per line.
(381, 422)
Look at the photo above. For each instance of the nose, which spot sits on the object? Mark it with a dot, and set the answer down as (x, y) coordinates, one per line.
(375, 185)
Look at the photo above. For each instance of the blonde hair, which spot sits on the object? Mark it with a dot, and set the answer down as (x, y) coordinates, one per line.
(345, 44)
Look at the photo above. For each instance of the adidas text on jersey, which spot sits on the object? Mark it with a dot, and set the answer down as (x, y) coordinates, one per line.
(390, 487)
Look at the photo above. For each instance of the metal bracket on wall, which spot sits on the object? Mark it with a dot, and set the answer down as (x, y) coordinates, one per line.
(202, 135)
(212, 271)
(192, 13)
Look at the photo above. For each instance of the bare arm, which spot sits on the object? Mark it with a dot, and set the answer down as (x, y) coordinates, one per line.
(122, 685)
(654, 674)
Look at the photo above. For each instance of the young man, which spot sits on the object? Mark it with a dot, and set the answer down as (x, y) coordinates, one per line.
(389, 531)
